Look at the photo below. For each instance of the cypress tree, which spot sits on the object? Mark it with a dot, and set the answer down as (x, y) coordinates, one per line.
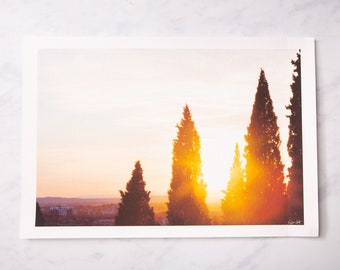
(187, 192)
(39, 218)
(265, 188)
(294, 145)
(134, 207)
(233, 201)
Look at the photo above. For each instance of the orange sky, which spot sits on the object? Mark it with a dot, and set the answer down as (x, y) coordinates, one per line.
(99, 111)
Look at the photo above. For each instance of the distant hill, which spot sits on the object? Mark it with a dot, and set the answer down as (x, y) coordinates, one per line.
(48, 201)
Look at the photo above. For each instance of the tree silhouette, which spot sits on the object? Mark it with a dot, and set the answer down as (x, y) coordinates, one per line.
(294, 145)
(233, 201)
(134, 207)
(265, 188)
(39, 218)
(187, 192)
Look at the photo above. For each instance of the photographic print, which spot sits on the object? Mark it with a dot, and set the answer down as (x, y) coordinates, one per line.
(169, 137)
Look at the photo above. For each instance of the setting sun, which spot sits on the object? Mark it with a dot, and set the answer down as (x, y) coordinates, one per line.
(91, 131)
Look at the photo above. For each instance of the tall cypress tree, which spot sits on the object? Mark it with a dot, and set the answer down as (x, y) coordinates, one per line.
(187, 192)
(134, 207)
(294, 145)
(233, 201)
(265, 188)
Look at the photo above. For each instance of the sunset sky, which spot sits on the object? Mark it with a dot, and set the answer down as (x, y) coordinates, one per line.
(101, 110)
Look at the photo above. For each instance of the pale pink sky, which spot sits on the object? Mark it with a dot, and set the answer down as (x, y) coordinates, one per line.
(99, 111)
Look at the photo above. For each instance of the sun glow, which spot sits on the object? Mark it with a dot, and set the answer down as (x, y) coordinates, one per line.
(119, 127)
(216, 162)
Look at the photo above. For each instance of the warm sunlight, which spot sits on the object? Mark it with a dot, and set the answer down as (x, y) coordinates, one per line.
(217, 157)
(91, 130)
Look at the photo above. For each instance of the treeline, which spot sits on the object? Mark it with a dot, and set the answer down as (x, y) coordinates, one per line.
(255, 194)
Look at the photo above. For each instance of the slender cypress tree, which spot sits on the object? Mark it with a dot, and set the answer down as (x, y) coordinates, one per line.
(134, 207)
(294, 145)
(39, 218)
(187, 192)
(233, 201)
(265, 188)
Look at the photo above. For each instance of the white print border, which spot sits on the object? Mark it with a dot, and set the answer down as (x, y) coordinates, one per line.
(29, 139)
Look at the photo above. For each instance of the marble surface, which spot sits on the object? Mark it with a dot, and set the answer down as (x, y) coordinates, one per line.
(319, 19)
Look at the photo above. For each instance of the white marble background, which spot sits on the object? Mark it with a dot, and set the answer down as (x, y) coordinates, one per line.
(319, 19)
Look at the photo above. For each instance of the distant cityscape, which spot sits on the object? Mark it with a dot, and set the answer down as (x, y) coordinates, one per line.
(88, 212)
(59, 211)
